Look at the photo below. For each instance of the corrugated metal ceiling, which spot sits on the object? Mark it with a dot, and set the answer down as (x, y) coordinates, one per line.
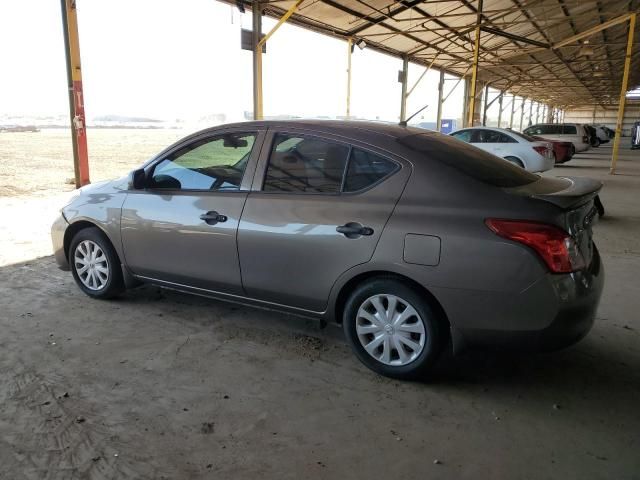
(515, 39)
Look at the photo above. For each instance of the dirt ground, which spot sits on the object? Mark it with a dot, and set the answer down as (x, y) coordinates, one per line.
(159, 384)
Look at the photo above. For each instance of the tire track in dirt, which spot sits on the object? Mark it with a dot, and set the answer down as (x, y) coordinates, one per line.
(52, 435)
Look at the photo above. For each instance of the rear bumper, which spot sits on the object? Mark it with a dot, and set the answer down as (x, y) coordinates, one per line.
(563, 155)
(581, 147)
(575, 298)
(58, 230)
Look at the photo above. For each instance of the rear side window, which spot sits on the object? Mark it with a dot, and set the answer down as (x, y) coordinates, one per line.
(544, 130)
(305, 165)
(469, 160)
(570, 130)
(524, 136)
(491, 136)
(366, 169)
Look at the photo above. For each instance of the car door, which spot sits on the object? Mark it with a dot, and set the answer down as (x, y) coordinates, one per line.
(182, 227)
(306, 222)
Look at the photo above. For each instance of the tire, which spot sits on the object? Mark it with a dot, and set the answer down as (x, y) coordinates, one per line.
(516, 161)
(599, 206)
(83, 251)
(595, 143)
(427, 332)
(573, 150)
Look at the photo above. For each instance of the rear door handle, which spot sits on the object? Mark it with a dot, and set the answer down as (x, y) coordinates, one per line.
(354, 230)
(212, 217)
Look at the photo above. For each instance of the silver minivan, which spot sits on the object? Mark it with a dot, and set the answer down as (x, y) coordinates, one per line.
(564, 132)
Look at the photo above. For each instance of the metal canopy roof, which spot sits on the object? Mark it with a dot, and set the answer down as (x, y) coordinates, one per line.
(515, 42)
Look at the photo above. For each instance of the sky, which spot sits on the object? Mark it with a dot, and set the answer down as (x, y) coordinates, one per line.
(173, 60)
(167, 59)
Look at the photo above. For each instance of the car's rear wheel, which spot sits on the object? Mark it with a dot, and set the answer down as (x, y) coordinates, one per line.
(95, 265)
(516, 161)
(392, 329)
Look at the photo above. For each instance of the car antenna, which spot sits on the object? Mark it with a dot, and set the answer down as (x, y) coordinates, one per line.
(403, 123)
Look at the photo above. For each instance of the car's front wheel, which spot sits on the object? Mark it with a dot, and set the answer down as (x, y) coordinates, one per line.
(95, 265)
(392, 328)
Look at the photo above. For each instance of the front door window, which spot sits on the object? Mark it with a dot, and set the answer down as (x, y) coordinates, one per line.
(216, 163)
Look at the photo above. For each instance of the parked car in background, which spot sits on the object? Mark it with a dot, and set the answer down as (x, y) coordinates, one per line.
(570, 132)
(602, 134)
(635, 136)
(521, 150)
(594, 141)
(410, 239)
(562, 151)
(611, 133)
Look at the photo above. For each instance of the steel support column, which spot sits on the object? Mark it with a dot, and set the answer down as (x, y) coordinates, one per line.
(349, 52)
(486, 105)
(500, 108)
(256, 13)
(403, 93)
(524, 100)
(76, 97)
(530, 112)
(513, 110)
(440, 101)
(258, 42)
(474, 71)
(623, 94)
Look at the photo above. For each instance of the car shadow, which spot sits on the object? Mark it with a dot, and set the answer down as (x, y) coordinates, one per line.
(592, 368)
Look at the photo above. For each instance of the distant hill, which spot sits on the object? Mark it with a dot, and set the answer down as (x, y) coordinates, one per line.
(125, 119)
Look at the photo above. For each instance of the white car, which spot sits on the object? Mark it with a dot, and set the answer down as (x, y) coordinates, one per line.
(565, 132)
(602, 134)
(527, 152)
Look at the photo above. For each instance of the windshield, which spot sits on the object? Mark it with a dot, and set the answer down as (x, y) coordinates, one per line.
(468, 159)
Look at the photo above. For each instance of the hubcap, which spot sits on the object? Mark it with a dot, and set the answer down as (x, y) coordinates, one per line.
(91, 265)
(390, 330)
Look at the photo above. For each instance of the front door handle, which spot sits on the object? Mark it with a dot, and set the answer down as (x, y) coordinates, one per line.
(354, 230)
(213, 217)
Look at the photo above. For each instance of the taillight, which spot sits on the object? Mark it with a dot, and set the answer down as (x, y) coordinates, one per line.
(585, 139)
(544, 151)
(555, 246)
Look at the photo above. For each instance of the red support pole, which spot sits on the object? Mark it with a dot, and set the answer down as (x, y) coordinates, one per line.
(76, 99)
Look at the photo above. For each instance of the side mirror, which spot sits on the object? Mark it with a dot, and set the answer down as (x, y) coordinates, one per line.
(138, 180)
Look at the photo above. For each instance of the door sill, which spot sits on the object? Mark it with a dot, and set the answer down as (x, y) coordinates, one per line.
(231, 298)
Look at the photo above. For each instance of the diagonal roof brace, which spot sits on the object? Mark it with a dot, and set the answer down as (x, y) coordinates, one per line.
(511, 36)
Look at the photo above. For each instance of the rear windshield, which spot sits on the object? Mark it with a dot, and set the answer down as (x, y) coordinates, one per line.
(523, 135)
(468, 159)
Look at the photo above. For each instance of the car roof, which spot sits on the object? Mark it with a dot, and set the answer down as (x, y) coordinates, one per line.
(480, 127)
(547, 123)
(356, 129)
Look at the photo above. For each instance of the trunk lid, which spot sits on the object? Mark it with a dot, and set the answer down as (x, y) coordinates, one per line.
(575, 196)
